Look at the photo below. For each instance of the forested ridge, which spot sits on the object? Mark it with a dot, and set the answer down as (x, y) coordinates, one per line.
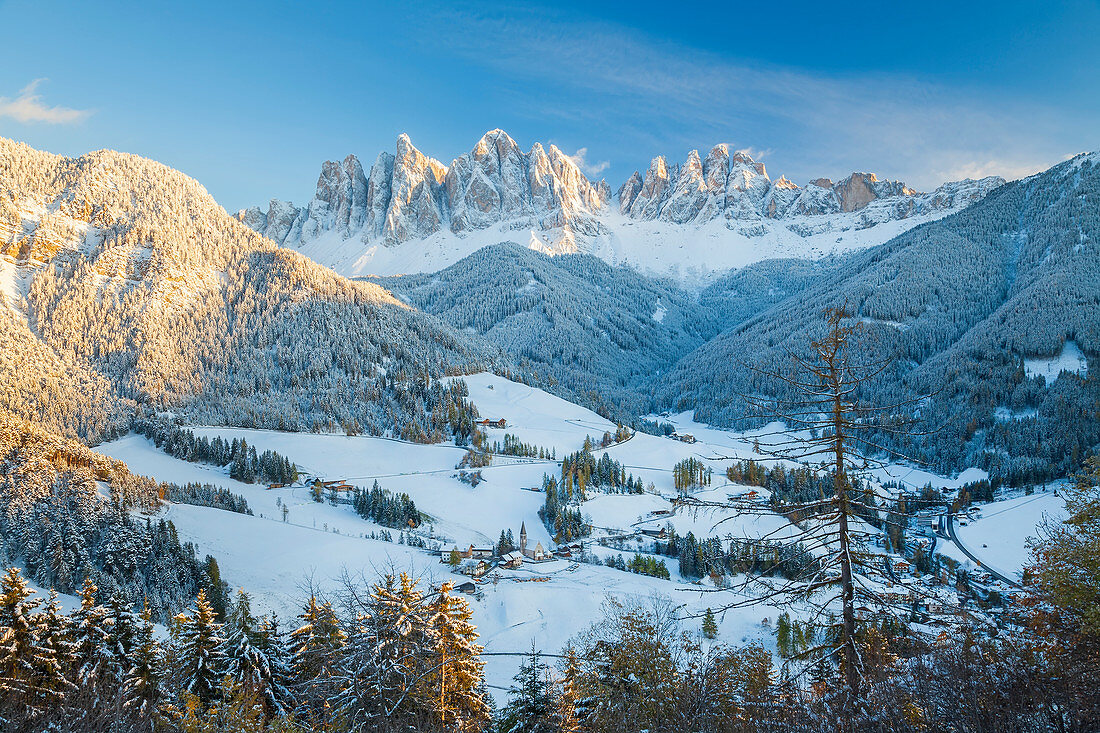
(70, 515)
(593, 333)
(140, 289)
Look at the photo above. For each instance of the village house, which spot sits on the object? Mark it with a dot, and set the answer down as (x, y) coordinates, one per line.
(512, 559)
(487, 423)
(473, 567)
(477, 553)
(896, 597)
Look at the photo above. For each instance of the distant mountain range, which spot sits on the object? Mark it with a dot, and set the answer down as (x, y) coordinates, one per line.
(412, 213)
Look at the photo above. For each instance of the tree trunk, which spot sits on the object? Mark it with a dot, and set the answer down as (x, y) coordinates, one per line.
(847, 587)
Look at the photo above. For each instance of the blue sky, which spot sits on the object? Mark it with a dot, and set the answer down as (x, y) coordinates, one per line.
(250, 98)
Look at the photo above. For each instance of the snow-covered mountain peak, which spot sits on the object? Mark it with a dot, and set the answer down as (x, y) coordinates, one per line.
(737, 187)
(410, 196)
(724, 203)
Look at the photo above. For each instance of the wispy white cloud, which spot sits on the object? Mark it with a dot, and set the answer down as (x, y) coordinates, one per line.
(648, 91)
(1007, 169)
(589, 169)
(756, 153)
(28, 107)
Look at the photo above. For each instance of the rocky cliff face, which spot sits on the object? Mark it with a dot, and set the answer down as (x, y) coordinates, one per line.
(702, 216)
(410, 196)
(736, 187)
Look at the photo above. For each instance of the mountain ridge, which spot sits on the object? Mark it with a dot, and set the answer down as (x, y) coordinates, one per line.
(963, 303)
(412, 200)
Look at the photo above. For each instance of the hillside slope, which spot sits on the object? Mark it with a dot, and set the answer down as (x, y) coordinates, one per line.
(968, 303)
(597, 334)
(125, 283)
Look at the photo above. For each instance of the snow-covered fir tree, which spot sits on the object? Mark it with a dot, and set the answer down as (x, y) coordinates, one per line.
(457, 660)
(199, 655)
(532, 704)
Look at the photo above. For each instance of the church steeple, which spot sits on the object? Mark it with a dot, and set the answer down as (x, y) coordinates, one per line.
(522, 537)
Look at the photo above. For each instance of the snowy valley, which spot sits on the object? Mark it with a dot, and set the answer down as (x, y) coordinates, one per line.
(276, 555)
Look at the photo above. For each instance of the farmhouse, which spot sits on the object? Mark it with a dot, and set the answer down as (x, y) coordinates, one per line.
(511, 560)
(473, 567)
(487, 423)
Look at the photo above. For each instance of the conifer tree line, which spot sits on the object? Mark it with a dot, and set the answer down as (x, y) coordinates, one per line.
(804, 484)
(785, 484)
(397, 660)
(243, 461)
(513, 446)
(206, 495)
(703, 557)
(55, 522)
(690, 473)
(384, 507)
(641, 564)
(559, 511)
(582, 470)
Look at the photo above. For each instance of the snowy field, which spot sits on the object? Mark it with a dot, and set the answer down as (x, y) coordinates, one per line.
(534, 416)
(651, 247)
(1069, 359)
(999, 537)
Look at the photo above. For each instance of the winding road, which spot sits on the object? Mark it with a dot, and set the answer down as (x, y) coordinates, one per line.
(954, 538)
